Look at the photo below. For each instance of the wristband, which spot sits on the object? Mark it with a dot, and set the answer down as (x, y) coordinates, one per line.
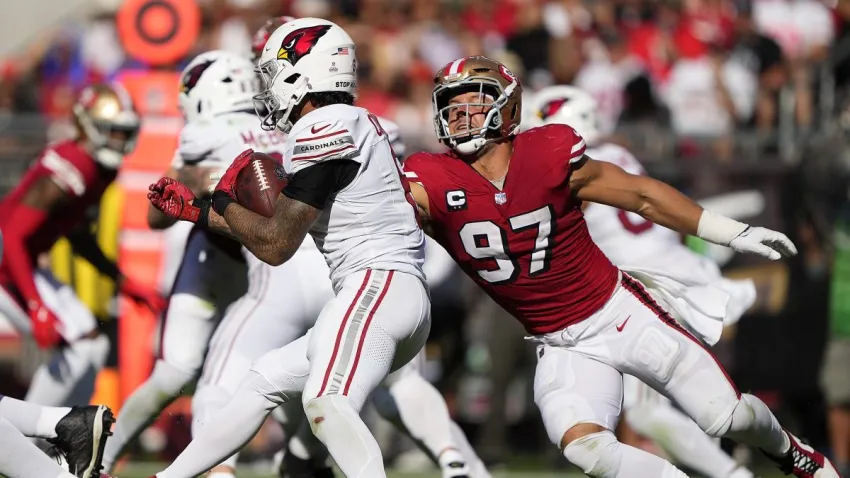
(220, 201)
(203, 211)
(719, 229)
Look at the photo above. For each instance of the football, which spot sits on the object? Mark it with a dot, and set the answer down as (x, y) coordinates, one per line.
(259, 183)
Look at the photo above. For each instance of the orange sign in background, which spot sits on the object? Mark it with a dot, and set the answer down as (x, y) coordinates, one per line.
(158, 32)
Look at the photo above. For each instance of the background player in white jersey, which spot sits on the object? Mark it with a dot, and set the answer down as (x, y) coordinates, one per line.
(346, 190)
(216, 101)
(631, 241)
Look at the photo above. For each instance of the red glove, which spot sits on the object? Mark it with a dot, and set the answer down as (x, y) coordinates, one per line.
(175, 200)
(227, 183)
(44, 325)
(141, 293)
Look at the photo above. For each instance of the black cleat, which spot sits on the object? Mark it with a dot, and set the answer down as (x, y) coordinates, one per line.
(456, 469)
(81, 436)
(294, 467)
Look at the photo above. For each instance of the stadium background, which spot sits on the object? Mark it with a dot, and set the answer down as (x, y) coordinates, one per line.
(713, 96)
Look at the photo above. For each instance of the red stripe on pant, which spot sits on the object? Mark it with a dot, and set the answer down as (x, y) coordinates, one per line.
(342, 330)
(637, 289)
(366, 329)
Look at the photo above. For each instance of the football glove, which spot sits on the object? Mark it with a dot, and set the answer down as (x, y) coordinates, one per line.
(764, 242)
(175, 200)
(44, 325)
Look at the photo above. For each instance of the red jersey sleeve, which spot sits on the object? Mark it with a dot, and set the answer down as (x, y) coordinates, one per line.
(419, 169)
(69, 167)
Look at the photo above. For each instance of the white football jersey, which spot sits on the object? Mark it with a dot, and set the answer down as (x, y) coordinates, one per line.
(213, 143)
(625, 237)
(372, 221)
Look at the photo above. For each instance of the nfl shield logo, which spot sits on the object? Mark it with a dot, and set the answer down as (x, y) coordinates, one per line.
(501, 198)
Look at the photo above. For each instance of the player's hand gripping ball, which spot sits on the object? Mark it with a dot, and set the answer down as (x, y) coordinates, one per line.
(259, 183)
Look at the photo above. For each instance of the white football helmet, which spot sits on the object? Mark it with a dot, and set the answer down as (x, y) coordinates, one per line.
(217, 82)
(306, 55)
(565, 105)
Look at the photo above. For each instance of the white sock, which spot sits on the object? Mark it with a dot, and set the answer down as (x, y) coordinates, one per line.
(600, 455)
(339, 426)
(473, 461)
(753, 423)
(142, 408)
(68, 378)
(226, 433)
(682, 439)
(35, 421)
(20, 458)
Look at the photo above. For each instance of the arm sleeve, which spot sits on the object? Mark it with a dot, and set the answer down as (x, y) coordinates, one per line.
(315, 185)
(22, 222)
(86, 245)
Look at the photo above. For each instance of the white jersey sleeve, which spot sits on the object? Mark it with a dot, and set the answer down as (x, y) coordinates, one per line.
(371, 223)
(394, 135)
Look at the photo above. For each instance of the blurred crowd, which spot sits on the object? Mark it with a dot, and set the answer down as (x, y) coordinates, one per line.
(704, 68)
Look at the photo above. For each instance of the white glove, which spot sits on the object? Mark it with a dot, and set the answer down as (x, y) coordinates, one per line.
(215, 178)
(764, 242)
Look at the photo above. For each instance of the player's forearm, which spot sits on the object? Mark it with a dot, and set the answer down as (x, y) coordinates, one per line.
(666, 206)
(23, 221)
(20, 268)
(262, 236)
(158, 220)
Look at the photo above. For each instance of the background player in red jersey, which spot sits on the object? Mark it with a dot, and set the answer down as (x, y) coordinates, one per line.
(507, 207)
(52, 201)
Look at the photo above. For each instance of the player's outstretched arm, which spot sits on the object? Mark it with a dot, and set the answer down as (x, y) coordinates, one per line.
(606, 183)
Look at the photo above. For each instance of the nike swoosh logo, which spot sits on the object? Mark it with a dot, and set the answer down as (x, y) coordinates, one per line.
(315, 130)
(621, 326)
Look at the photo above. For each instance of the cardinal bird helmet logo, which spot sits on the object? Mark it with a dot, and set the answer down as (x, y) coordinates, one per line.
(551, 107)
(299, 43)
(190, 79)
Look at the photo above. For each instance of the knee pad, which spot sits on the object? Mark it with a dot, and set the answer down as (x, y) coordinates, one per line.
(169, 379)
(595, 454)
(95, 350)
(327, 407)
(738, 417)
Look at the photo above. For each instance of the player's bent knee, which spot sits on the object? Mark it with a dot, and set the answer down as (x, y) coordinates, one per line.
(738, 416)
(327, 408)
(578, 432)
(170, 379)
(596, 454)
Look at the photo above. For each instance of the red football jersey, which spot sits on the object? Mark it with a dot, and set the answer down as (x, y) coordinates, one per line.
(78, 174)
(527, 245)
